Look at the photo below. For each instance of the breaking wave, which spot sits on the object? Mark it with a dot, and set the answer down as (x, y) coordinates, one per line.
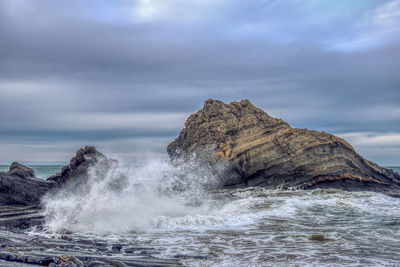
(134, 198)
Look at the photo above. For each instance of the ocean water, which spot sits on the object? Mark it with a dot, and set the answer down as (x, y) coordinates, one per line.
(176, 211)
(41, 171)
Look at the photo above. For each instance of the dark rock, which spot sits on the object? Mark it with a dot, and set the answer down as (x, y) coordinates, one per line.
(317, 237)
(17, 169)
(47, 260)
(20, 258)
(19, 186)
(79, 165)
(33, 260)
(116, 247)
(65, 237)
(19, 189)
(184, 256)
(266, 151)
(129, 250)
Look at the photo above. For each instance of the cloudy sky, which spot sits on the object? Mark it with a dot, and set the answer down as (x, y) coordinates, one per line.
(124, 75)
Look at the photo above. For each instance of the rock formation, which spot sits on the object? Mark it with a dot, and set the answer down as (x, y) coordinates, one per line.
(17, 169)
(79, 165)
(21, 191)
(266, 151)
(19, 186)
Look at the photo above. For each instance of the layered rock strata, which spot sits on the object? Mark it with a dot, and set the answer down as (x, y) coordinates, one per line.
(266, 151)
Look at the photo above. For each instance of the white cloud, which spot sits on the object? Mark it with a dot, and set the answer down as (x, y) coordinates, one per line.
(372, 139)
(382, 148)
(116, 121)
(103, 121)
(172, 10)
(378, 26)
(55, 152)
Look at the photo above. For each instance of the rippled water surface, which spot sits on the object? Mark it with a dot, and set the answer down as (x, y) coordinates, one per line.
(261, 227)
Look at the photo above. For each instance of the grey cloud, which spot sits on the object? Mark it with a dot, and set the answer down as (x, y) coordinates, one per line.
(74, 58)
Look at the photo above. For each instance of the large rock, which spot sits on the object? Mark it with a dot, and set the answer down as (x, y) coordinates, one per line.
(266, 151)
(19, 186)
(79, 165)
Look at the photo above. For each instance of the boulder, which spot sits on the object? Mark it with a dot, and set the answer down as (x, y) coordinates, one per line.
(19, 186)
(17, 169)
(267, 151)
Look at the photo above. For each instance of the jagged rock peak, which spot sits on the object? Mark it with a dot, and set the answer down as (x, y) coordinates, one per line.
(78, 166)
(266, 151)
(219, 123)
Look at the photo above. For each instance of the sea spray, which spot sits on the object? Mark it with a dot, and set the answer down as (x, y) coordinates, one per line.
(117, 198)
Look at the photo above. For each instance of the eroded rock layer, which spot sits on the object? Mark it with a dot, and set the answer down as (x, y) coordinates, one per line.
(266, 151)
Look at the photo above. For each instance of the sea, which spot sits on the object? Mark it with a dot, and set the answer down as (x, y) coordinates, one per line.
(177, 211)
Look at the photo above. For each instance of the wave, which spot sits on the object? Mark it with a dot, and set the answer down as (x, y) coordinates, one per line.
(134, 198)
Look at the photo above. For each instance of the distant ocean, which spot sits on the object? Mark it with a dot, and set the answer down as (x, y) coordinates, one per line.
(41, 171)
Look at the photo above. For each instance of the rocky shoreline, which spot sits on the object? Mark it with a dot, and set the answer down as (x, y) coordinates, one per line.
(19, 249)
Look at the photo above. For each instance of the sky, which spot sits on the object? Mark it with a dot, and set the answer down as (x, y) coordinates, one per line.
(124, 75)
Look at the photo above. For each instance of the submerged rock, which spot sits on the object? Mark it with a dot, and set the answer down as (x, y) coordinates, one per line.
(317, 237)
(266, 151)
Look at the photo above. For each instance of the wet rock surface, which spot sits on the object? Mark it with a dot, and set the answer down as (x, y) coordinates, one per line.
(21, 217)
(19, 186)
(266, 151)
(20, 248)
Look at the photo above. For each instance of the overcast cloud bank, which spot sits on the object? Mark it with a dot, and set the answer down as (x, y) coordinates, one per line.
(124, 75)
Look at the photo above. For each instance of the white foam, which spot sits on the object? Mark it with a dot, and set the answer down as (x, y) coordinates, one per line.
(135, 198)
